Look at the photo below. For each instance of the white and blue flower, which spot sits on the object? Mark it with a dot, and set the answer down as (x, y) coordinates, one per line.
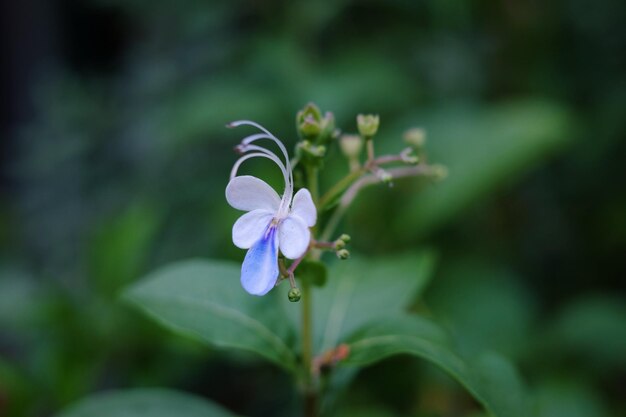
(272, 223)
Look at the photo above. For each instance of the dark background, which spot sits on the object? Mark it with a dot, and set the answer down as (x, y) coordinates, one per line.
(115, 157)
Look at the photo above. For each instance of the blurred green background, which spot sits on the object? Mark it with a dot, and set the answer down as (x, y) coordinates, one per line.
(115, 159)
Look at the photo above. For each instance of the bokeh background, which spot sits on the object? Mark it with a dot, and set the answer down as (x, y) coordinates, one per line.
(115, 158)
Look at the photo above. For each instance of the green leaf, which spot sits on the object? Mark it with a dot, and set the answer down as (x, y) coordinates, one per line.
(482, 149)
(484, 305)
(144, 402)
(314, 271)
(360, 290)
(488, 377)
(589, 331)
(121, 245)
(569, 397)
(204, 299)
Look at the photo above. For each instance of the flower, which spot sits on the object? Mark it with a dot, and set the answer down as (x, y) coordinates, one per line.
(367, 124)
(272, 223)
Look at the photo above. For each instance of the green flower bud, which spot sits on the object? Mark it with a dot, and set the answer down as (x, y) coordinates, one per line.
(343, 254)
(367, 124)
(294, 295)
(328, 128)
(309, 128)
(345, 238)
(351, 145)
(339, 244)
(309, 121)
(415, 137)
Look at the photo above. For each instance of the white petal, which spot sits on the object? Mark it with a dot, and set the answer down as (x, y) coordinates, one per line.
(259, 270)
(294, 237)
(250, 227)
(248, 193)
(303, 207)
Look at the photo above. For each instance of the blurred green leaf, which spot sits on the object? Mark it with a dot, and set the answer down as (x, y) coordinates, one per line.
(121, 245)
(482, 148)
(485, 306)
(314, 271)
(567, 398)
(591, 331)
(204, 299)
(144, 402)
(360, 290)
(488, 377)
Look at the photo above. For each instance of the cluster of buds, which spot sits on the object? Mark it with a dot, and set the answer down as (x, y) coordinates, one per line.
(315, 131)
(338, 246)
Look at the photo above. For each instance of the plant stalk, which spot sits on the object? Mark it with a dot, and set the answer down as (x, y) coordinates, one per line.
(310, 390)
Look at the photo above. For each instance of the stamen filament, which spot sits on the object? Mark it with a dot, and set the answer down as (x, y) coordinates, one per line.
(244, 158)
(288, 195)
(273, 157)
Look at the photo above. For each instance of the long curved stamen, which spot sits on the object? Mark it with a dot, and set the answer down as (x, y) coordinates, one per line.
(249, 139)
(268, 135)
(252, 138)
(233, 172)
(268, 154)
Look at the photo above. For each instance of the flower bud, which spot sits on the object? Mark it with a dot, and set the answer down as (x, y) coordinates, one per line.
(351, 145)
(294, 294)
(415, 137)
(309, 127)
(339, 244)
(367, 124)
(308, 121)
(343, 254)
(345, 238)
(329, 131)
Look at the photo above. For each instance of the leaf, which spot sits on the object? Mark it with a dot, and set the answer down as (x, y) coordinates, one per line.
(482, 148)
(314, 271)
(484, 305)
(204, 299)
(121, 244)
(590, 332)
(144, 402)
(360, 290)
(488, 377)
(569, 397)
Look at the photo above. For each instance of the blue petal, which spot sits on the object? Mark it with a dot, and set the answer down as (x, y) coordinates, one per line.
(259, 270)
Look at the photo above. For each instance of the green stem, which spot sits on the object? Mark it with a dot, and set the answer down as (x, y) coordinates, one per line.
(310, 391)
(310, 394)
(311, 173)
(370, 150)
(340, 187)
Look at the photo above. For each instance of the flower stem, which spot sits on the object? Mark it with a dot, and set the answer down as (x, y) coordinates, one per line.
(310, 390)
(310, 393)
(370, 150)
(311, 173)
(340, 187)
